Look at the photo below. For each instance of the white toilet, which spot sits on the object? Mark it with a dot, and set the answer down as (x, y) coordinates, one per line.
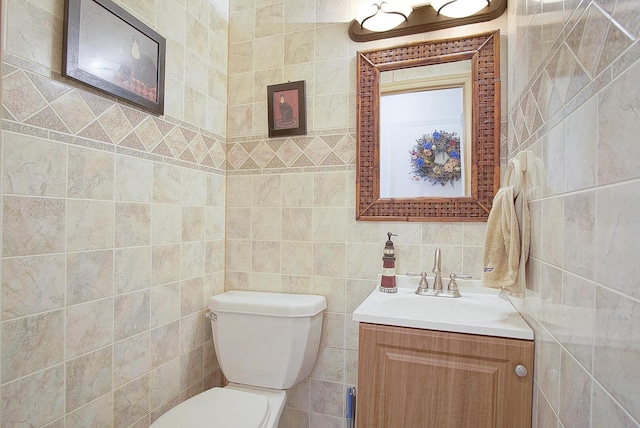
(265, 343)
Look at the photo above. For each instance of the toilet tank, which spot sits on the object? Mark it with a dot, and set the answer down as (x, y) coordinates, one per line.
(265, 339)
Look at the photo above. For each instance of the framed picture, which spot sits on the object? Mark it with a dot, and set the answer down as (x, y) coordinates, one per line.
(287, 113)
(108, 48)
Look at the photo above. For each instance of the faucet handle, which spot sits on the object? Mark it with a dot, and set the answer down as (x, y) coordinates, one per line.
(452, 287)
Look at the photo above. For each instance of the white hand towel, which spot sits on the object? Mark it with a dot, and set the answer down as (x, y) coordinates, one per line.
(502, 249)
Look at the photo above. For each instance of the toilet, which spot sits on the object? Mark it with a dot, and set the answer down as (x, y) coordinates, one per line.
(265, 343)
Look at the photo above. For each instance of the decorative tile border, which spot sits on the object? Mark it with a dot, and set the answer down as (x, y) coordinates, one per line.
(59, 109)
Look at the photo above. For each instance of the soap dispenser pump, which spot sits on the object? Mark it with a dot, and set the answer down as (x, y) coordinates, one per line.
(388, 282)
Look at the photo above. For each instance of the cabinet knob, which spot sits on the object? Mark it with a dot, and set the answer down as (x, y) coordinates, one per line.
(521, 371)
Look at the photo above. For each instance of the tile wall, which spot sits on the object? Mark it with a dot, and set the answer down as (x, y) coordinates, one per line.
(290, 223)
(112, 224)
(574, 68)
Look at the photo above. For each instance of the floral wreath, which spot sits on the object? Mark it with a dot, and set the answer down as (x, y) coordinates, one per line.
(423, 158)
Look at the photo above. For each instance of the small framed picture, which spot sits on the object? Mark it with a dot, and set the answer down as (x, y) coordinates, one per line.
(286, 107)
(108, 48)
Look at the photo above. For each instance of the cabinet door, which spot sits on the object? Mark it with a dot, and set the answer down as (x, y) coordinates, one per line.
(410, 378)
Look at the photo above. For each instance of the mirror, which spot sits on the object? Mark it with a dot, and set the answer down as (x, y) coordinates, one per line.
(459, 138)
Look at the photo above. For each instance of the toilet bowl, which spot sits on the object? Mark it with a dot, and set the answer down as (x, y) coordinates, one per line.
(265, 344)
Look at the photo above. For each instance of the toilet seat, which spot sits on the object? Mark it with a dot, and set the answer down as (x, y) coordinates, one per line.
(218, 408)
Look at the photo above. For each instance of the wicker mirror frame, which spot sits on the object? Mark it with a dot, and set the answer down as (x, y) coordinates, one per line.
(484, 52)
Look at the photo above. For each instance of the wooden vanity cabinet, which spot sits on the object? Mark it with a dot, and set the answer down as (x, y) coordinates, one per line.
(412, 378)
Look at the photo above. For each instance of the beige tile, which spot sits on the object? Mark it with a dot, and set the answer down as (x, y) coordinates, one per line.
(165, 264)
(617, 213)
(241, 88)
(333, 330)
(269, 20)
(31, 344)
(191, 295)
(31, 285)
(133, 179)
(298, 222)
(192, 259)
(132, 269)
(131, 402)
(97, 414)
(297, 190)
(238, 253)
(607, 412)
(214, 223)
(32, 226)
(194, 187)
(329, 225)
(616, 158)
(616, 354)
(326, 398)
(297, 16)
(165, 304)
(166, 225)
(89, 327)
(242, 26)
(265, 256)
(89, 225)
(47, 385)
(329, 189)
(269, 52)
(266, 223)
(296, 258)
(329, 259)
(299, 47)
(581, 147)
(73, 110)
(164, 343)
(96, 367)
(332, 76)
(192, 224)
(164, 383)
(90, 174)
(131, 314)
(89, 276)
(115, 123)
(575, 393)
(579, 233)
(131, 358)
(20, 96)
(191, 367)
(266, 191)
(133, 223)
(329, 364)
(32, 166)
(192, 331)
(552, 214)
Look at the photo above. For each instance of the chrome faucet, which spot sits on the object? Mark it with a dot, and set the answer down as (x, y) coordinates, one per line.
(424, 289)
(437, 270)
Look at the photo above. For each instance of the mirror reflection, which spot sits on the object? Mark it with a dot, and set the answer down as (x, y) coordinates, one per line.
(425, 131)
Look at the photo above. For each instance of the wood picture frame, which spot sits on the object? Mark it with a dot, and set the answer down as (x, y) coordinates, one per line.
(107, 48)
(483, 50)
(286, 109)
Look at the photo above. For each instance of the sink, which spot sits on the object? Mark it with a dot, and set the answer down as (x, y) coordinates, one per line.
(479, 311)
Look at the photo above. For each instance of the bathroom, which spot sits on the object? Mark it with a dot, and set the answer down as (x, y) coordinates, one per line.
(117, 224)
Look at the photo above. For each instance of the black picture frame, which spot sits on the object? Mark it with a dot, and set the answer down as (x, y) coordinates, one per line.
(287, 109)
(107, 48)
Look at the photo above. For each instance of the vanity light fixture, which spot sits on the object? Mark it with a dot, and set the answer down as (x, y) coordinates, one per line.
(459, 8)
(383, 15)
(424, 16)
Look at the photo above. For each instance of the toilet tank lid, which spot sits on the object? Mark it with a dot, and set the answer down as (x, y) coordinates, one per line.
(266, 303)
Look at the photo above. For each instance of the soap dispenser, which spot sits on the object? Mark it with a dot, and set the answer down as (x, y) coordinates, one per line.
(388, 282)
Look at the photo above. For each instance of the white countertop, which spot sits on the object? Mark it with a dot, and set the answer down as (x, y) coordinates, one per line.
(479, 310)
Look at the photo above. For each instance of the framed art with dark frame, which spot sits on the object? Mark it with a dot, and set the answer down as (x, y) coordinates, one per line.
(108, 48)
(286, 108)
